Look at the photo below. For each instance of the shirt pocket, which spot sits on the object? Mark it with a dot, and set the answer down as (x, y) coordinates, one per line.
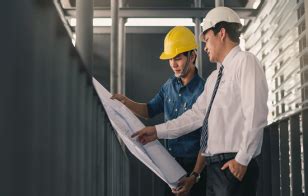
(224, 95)
(169, 108)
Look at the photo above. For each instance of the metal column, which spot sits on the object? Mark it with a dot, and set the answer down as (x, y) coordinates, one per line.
(219, 3)
(264, 187)
(197, 22)
(296, 177)
(284, 158)
(304, 122)
(304, 119)
(84, 31)
(114, 46)
(275, 165)
(121, 56)
(306, 18)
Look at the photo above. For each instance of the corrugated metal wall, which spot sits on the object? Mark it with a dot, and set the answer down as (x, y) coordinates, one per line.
(145, 72)
(55, 138)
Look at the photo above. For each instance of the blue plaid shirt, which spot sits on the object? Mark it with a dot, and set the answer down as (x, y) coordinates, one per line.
(173, 99)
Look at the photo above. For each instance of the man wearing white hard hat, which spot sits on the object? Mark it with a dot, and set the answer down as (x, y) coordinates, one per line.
(232, 111)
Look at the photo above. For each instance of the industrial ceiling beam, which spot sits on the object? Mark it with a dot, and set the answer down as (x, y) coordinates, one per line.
(162, 12)
(135, 30)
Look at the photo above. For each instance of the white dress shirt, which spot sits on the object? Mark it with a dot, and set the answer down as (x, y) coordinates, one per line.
(239, 111)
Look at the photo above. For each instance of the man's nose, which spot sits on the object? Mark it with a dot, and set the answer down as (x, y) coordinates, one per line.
(173, 63)
(205, 48)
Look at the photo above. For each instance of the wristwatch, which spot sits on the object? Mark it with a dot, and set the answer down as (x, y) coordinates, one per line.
(197, 176)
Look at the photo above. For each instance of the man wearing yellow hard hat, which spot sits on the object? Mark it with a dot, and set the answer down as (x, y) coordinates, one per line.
(232, 111)
(176, 96)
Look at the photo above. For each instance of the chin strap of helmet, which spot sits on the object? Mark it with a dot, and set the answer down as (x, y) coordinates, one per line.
(186, 67)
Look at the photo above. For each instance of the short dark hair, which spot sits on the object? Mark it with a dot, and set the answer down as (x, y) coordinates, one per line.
(233, 30)
(191, 51)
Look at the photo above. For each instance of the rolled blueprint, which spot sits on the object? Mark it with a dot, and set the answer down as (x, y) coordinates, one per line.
(153, 154)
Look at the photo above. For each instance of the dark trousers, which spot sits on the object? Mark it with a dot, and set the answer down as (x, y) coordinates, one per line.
(199, 189)
(224, 183)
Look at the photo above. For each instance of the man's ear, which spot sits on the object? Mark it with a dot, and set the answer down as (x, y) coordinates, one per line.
(223, 33)
(193, 56)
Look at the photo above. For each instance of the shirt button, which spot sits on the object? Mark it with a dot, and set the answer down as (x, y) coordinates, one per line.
(180, 94)
(169, 100)
(169, 149)
(185, 108)
(176, 110)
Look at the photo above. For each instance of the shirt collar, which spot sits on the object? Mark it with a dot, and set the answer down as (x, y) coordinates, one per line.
(227, 61)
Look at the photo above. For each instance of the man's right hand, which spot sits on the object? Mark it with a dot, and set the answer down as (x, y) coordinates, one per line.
(119, 97)
(146, 135)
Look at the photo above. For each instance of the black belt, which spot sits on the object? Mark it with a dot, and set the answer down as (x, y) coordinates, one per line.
(219, 158)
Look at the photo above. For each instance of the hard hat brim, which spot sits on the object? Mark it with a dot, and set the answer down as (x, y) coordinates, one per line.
(201, 36)
(165, 56)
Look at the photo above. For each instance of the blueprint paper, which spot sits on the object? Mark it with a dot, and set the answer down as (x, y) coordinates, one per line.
(153, 154)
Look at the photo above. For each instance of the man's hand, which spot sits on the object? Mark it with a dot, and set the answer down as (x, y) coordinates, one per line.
(119, 97)
(236, 169)
(185, 184)
(146, 135)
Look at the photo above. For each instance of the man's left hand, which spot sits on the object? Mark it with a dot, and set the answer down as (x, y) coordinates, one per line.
(236, 169)
(184, 185)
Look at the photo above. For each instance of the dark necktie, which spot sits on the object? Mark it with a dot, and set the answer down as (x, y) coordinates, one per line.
(204, 134)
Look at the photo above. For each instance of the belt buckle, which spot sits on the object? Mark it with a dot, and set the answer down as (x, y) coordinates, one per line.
(221, 157)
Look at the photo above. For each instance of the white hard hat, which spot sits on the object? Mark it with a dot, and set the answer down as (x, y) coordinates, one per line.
(219, 14)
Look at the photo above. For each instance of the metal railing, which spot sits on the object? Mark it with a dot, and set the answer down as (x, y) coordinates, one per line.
(283, 159)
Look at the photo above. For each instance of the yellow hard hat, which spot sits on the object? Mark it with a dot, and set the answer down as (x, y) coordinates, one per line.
(178, 40)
